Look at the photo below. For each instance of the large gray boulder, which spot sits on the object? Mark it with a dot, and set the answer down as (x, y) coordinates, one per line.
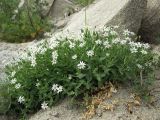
(150, 27)
(125, 13)
(130, 16)
(46, 9)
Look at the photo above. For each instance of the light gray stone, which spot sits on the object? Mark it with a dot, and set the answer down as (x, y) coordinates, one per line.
(125, 13)
(130, 16)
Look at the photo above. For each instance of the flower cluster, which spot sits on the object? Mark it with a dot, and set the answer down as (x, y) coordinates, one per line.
(90, 53)
(57, 88)
(76, 66)
(127, 32)
(54, 57)
(13, 81)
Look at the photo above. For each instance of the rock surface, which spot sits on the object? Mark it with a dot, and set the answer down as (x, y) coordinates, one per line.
(47, 8)
(8, 52)
(130, 16)
(150, 27)
(61, 9)
(125, 13)
(142, 112)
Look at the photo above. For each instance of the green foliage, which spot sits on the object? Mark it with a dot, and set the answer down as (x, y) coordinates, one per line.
(4, 98)
(24, 23)
(84, 2)
(76, 67)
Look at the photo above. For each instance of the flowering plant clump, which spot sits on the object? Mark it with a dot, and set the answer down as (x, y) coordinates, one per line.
(76, 67)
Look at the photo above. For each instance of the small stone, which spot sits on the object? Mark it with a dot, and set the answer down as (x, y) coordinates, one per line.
(55, 114)
(99, 112)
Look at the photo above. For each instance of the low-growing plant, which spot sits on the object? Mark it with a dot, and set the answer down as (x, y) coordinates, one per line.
(4, 98)
(76, 67)
(84, 2)
(22, 20)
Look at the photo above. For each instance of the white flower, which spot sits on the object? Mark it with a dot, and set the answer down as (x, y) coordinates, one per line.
(74, 57)
(82, 44)
(33, 49)
(81, 65)
(139, 45)
(71, 45)
(148, 64)
(139, 66)
(23, 55)
(70, 77)
(122, 42)
(98, 42)
(17, 86)
(90, 53)
(54, 87)
(127, 32)
(107, 29)
(155, 59)
(128, 38)
(146, 46)
(113, 32)
(37, 84)
(132, 44)
(13, 81)
(33, 61)
(13, 73)
(132, 33)
(116, 26)
(133, 50)
(115, 41)
(106, 44)
(21, 99)
(106, 34)
(107, 54)
(42, 50)
(47, 34)
(52, 43)
(54, 57)
(21, 3)
(59, 89)
(44, 105)
(79, 38)
(144, 52)
(16, 11)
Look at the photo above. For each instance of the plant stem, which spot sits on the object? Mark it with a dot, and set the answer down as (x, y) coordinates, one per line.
(141, 76)
(85, 16)
(29, 16)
